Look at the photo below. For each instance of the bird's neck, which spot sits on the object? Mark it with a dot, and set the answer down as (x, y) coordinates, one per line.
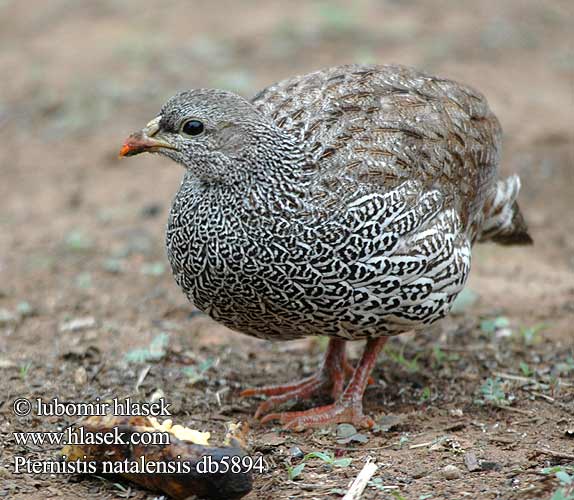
(275, 180)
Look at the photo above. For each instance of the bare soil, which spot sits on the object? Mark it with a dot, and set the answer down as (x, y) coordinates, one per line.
(81, 236)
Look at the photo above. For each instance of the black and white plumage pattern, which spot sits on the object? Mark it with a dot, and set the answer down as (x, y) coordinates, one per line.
(343, 203)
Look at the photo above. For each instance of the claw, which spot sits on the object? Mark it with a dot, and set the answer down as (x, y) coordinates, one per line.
(322, 416)
(348, 406)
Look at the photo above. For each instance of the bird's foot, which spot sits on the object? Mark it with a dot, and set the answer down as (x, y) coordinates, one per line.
(348, 406)
(331, 376)
(336, 413)
(297, 391)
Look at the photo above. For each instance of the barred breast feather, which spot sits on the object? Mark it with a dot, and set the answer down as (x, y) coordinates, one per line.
(374, 238)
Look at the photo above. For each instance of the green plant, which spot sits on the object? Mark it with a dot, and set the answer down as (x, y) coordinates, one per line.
(491, 325)
(293, 472)
(425, 395)
(566, 367)
(327, 457)
(493, 392)
(78, 241)
(402, 441)
(154, 352)
(526, 370)
(411, 365)
(531, 335)
(24, 370)
(565, 475)
(441, 358)
(196, 374)
(397, 495)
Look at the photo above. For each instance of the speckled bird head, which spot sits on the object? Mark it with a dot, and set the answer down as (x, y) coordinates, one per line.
(216, 135)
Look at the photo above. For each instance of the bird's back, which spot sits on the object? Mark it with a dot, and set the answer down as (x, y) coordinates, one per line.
(375, 127)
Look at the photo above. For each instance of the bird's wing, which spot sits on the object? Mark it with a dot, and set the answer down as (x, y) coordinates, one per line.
(380, 126)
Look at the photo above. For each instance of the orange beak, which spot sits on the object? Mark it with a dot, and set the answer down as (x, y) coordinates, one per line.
(144, 141)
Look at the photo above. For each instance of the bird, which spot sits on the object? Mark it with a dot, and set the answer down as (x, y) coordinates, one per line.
(342, 203)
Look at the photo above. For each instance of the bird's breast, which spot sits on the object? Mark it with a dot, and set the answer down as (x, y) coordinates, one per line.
(386, 263)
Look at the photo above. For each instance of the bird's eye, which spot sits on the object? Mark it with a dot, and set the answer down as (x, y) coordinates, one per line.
(192, 127)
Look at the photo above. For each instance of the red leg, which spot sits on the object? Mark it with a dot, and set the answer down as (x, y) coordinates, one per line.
(349, 406)
(331, 376)
(350, 369)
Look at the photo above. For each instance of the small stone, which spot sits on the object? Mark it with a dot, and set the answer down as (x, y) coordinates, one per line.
(113, 266)
(419, 472)
(296, 452)
(156, 396)
(347, 433)
(80, 376)
(456, 412)
(78, 324)
(451, 472)
(391, 422)
(503, 333)
(272, 439)
(569, 433)
(486, 465)
(7, 317)
(7, 363)
(471, 461)
(151, 210)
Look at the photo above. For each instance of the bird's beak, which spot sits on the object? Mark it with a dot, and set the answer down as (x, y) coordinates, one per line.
(145, 140)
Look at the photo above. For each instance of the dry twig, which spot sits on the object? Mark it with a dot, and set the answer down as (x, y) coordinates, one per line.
(360, 482)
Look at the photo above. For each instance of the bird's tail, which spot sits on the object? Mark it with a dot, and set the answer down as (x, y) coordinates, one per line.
(503, 222)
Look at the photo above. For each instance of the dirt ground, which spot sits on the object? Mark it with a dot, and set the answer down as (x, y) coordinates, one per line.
(84, 281)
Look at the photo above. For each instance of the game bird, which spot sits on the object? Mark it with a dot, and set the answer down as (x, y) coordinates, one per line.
(343, 203)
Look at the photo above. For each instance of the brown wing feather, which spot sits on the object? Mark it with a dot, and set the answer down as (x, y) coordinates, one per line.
(382, 125)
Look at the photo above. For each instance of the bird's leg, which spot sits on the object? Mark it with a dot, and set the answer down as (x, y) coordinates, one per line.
(331, 376)
(349, 406)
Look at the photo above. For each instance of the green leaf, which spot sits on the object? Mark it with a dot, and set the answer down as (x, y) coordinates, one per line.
(196, 374)
(154, 352)
(493, 392)
(560, 495)
(78, 241)
(491, 325)
(551, 470)
(564, 477)
(531, 335)
(398, 496)
(293, 472)
(525, 369)
(425, 395)
(327, 458)
(342, 462)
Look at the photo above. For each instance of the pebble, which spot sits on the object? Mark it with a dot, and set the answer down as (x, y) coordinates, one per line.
(451, 472)
(80, 376)
(296, 452)
(471, 462)
(7, 317)
(78, 324)
(417, 473)
(156, 396)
